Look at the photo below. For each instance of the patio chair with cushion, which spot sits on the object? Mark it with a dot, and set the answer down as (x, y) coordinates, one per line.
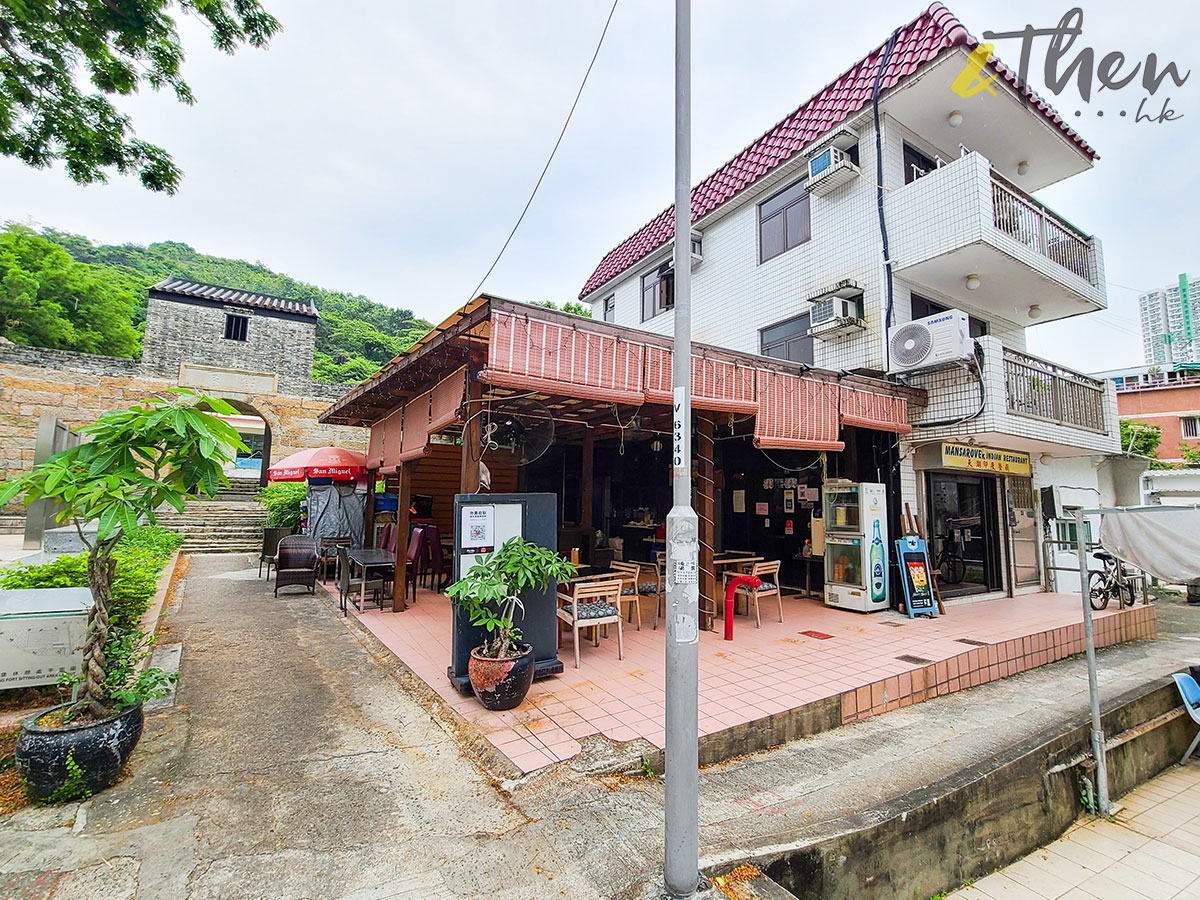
(296, 563)
(271, 538)
(768, 573)
(631, 576)
(1189, 690)
(328, 553)
(591, 604)
(348, 587)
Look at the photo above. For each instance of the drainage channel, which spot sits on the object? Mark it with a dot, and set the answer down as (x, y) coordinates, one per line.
(973, 821)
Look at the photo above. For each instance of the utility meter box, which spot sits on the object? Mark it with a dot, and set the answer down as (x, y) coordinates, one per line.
(42, 631)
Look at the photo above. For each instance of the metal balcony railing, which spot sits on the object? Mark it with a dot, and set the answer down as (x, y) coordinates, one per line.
(1042, 390)
(1038, 227)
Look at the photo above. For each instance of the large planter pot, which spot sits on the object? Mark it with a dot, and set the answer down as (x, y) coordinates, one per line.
(100, 749)
(501, 683)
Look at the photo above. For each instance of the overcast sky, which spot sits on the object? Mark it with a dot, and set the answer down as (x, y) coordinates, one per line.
(387, 148)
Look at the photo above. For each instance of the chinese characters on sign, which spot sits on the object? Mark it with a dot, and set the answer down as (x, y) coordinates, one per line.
(1001, 462)
(478, 529)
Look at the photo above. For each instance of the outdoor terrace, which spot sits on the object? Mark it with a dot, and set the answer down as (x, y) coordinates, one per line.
(819, 669)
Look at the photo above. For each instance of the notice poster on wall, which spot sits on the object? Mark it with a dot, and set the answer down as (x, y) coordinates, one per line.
(478, 529)
(789, 501)
(762, 509)
(739, 501)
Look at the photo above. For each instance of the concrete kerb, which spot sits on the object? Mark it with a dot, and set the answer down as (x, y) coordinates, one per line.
(973, 821)
(166, 583)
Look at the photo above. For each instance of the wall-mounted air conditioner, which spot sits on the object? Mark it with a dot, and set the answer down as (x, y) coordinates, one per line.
(835, 315)
(932, 342)
(829, 170)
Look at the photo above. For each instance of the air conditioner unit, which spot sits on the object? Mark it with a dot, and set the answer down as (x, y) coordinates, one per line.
(932, 342)
(831, 316)
(829, 170)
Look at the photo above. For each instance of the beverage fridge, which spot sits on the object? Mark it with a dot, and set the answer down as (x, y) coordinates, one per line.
(856, 542)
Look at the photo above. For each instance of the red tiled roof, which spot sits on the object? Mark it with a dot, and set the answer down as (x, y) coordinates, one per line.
(917, 43)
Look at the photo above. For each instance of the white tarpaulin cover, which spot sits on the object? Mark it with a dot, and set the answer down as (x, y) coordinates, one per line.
(1162, 541)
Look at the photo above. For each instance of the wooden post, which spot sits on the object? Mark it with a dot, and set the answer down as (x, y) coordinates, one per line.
(369, 515)
(472, 452)
(706, 511)
(404, 501)
(589, 474)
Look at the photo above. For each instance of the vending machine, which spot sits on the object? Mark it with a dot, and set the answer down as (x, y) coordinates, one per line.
(856, 546)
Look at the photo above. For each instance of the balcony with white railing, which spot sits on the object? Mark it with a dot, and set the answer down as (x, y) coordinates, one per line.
(1042, 390)
(964, 219)
(1019, 402)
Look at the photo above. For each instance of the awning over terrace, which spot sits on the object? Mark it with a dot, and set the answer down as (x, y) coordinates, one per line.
(595, 368)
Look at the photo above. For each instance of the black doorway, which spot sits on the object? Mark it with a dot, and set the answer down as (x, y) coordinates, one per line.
(964, 533)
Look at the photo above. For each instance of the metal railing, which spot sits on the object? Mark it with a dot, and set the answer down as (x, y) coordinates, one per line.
(1042, 390)
(1157, 382)
(1038, 227)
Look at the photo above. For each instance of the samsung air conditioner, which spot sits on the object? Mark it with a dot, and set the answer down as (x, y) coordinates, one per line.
(930, 343)
(830, 169)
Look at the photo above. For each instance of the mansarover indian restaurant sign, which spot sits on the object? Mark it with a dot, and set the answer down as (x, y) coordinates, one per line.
(985, 459)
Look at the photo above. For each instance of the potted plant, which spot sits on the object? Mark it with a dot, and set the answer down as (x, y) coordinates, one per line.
(501, 669)
(138, 459)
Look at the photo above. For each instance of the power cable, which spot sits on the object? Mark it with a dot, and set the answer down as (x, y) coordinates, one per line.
(550, 159)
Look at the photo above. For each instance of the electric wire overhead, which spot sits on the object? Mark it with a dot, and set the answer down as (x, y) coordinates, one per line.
(549, 159)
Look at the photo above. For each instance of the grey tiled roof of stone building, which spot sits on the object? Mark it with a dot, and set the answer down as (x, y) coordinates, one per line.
(233, 296)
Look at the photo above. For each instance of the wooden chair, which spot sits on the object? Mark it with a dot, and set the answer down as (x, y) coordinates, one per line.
(590, 605)
(414, 560)
(329, 554)
(631, 579)
(768, 573)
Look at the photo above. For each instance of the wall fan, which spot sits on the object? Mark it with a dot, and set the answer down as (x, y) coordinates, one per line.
(517, 431)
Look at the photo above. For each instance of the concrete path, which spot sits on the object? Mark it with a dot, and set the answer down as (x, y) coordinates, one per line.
(297, 765)
(1151, 852)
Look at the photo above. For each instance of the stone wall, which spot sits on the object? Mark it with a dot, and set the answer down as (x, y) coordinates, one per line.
(77, 387)
(179, 331)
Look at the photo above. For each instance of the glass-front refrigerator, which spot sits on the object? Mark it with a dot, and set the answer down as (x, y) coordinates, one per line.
(856, 546)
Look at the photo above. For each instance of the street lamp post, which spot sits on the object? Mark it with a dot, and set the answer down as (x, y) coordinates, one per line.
(681, 869)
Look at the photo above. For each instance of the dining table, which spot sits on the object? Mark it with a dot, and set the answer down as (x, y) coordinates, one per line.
(369, 559)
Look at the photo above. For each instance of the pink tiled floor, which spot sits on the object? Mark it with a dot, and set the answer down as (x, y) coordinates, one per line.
(761, 672)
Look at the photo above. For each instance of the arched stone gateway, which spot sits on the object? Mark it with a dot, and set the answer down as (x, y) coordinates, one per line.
(252, 350)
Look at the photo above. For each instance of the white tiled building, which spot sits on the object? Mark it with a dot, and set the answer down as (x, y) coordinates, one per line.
(963, 232)
(1169, 311)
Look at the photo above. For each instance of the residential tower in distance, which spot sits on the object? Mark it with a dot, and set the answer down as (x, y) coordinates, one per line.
(1170, 333)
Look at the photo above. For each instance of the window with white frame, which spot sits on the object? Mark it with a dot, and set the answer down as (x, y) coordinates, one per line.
(1190, 426)
(1067, 530)
(610, 308)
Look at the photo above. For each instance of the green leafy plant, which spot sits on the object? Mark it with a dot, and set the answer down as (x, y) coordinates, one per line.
(73, 787)
(282, 502)
(151, 455)
(491, 591)
(62, 61)
(647, 769)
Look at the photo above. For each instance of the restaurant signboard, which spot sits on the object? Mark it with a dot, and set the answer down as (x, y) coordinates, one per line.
(985, 459)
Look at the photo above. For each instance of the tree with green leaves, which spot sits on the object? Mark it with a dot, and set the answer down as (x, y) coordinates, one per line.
(51, 51)
(155, 453)
(48, 299)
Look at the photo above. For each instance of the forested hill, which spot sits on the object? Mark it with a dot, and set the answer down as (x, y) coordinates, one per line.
(92, 298)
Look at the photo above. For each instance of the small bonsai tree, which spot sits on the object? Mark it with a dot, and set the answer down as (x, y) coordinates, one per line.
(490, 592)
(138, 459)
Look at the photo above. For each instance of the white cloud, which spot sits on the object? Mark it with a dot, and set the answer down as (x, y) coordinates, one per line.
(388, 148)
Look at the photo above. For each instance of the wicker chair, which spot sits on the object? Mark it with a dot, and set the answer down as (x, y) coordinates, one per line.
(271, 538)
(296, 563)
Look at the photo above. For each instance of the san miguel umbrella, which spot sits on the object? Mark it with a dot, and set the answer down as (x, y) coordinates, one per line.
(319, 462)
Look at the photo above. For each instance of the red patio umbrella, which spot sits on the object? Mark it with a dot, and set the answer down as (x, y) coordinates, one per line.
(319, 462)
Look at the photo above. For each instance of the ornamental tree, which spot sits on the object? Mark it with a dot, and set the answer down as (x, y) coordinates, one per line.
(155, 453)
(50, 50)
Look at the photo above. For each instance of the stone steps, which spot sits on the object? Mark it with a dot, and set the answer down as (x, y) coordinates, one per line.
(232, 523)
(13, 524)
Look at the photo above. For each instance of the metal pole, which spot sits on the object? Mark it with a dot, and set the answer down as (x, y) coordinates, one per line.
(1102, 805)
(681, 863)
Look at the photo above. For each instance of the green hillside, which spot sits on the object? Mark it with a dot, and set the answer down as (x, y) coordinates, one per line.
(92, 298)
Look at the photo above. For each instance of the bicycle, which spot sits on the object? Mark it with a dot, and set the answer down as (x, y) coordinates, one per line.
(951, 566)
(1109, 582)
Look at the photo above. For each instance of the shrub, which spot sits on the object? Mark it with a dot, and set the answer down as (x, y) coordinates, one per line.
(282, 501)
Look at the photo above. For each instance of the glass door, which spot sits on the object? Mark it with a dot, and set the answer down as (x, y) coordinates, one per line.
(841, 509)
(1022, 530)
(964, 533)
(844, 561)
